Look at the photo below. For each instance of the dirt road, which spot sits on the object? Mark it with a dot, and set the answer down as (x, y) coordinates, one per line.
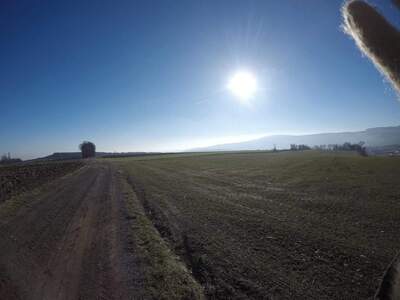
(72, 240)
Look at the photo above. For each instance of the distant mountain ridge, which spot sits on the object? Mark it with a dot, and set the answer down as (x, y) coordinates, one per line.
(373, 137)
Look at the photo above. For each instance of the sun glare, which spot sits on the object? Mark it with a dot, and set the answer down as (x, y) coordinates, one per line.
(243, 85)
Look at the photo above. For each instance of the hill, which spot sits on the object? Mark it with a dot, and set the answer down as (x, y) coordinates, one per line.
(373, 137)
(77, 155)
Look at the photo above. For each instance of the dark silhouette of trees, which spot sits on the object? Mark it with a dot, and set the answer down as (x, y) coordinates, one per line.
(359, 148)
(88, 149)
(301, 147)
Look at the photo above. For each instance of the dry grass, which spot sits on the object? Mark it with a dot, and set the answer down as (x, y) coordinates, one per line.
(165, 275)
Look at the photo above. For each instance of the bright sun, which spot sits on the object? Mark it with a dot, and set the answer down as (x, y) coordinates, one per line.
(243, 85)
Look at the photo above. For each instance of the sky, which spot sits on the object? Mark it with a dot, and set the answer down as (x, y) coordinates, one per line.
(152, 75)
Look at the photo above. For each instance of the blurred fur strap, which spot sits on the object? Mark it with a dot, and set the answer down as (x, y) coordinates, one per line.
(375, 36)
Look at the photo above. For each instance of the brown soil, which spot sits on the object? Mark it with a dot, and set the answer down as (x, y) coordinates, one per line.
(20, 178)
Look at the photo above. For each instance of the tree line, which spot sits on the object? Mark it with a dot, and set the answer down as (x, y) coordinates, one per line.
(359, 147)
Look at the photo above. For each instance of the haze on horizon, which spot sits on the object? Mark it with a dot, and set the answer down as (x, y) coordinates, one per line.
(154, 75)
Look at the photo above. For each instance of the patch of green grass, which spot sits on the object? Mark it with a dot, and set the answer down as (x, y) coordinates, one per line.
(165, 275)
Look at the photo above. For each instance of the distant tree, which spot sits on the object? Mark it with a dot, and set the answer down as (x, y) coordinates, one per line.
(347, 146)
(303, 147)
(361, 149)
(300, 147)
(88, 149)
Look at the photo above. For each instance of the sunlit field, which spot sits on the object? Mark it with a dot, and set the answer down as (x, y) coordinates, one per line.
(200, 150)
(313, 225)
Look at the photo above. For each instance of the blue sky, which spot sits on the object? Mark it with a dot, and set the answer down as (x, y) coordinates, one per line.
(151, 75)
